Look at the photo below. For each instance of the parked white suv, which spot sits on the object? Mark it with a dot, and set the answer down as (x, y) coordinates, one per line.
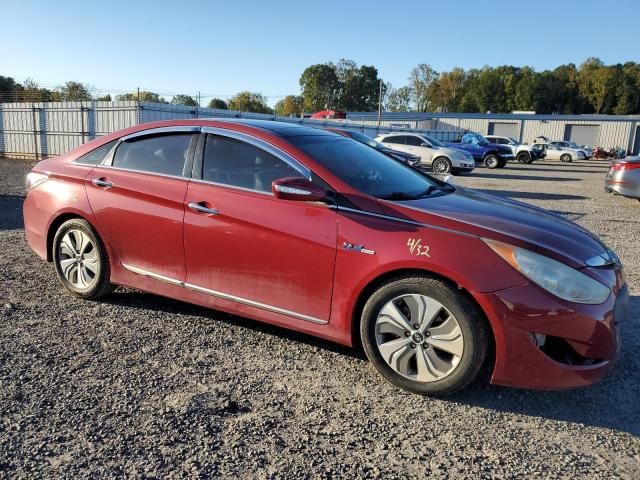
(523, 153)
(432, 152)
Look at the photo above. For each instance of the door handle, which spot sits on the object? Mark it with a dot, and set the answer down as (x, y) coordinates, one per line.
(198, 207)
(99, 182)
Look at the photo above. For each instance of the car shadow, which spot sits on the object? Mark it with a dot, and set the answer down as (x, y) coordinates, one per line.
(524, 177)
(11, 212)
(610, 404)
(532, 195)
(147, 301)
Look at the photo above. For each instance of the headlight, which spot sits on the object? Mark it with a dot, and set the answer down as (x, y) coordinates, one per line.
(34, 179)
(555, 277)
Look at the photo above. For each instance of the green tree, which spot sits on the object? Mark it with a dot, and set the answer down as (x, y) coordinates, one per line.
(184, 100)
(218, 103)
(450, 89)
(420, 80)
(398, 99)
(291, 105)
(145, 96)
(104, 98)
(359, 86)
(320, 87)
(249, 102)
(75, 92)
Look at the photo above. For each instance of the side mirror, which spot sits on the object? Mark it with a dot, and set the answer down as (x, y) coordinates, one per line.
(298, 189)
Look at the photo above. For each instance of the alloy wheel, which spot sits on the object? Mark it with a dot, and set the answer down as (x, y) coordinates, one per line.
(419, 338)
(78, 259)
(441, 166)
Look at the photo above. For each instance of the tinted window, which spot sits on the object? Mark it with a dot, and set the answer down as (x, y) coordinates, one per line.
(397, 139)
(94, 157)
(164, 154)
(240, 164)
(366, 169)
(415, 141)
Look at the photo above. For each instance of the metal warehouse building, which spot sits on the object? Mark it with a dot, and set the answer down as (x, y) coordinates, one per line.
(605, 130)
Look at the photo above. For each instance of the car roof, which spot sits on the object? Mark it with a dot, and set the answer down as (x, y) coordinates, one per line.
(283, 129)
(394, 134)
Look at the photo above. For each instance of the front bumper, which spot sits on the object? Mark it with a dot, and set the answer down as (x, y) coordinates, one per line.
(547, 344)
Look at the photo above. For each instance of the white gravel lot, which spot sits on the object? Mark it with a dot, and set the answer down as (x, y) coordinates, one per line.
(140, 386)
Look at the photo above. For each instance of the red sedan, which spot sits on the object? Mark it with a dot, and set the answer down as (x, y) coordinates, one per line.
(312, 231)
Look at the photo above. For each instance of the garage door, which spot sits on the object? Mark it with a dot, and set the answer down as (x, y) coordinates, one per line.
(503, 129)
(582, 134)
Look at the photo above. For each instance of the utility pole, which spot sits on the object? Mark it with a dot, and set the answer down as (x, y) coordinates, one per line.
(380, 103)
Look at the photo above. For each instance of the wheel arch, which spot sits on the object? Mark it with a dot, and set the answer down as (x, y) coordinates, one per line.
(378, 281)
(55, 225)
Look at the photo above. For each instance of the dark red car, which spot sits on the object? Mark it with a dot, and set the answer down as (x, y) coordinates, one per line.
(315, 232)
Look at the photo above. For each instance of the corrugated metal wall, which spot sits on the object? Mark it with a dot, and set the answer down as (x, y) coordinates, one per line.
(43, 129)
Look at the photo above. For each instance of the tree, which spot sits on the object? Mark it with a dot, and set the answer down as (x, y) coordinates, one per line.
(359, 86)
(144, 96)
(184, 100)
(104, 98)
(218, 103)
(75, 92)
(398, 99)
(420, 80)
(249, 102)
(291, 105)
(451, 84)
(320, 87)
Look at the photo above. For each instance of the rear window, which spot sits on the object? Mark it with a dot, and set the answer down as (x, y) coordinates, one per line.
(95, 157)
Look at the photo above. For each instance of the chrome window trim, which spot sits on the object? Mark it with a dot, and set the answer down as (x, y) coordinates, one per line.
(155, 131)
(256, 142)
(222, 295)
(224, 185)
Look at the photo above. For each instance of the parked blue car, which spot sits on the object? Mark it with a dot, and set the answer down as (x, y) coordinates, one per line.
(484, 152)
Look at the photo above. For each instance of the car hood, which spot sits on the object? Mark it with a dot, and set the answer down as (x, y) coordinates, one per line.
(477, 213)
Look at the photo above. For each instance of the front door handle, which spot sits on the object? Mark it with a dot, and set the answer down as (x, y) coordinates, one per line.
(198, 207)
(101, 182)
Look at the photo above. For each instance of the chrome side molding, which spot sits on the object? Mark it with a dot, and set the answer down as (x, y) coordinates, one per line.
(224, 296)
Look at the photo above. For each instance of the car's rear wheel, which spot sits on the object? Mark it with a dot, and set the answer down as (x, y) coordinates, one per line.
(423, 336)
(441, 165)
(491, 161)
(80, 259)
(565, 157)
(524, 157)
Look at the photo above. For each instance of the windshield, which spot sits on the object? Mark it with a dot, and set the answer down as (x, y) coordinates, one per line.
(474, 138)
(433, 141)
(366, 169)
(362, 138)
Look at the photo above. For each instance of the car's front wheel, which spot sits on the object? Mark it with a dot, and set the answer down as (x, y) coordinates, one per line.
(524, 157)
(80, 260)
(423, 336)
(441, 165)
(491, 161)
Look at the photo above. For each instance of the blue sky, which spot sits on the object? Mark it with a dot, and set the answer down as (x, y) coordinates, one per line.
(220, 48)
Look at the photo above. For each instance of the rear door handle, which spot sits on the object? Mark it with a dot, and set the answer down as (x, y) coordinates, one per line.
(101, 182)
(198, 207)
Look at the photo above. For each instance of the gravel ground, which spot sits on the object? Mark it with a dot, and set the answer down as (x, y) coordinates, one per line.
(141, 386)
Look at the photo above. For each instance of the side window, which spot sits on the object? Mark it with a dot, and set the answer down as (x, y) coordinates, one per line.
(165, 153)
(239, 164)
(397, 139)
(94, 157)
(493, 140)
(414, 141)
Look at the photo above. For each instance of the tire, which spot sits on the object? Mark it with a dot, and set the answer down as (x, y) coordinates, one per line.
(524, 157)
(491, 161)
(441, 166)
(81, 261)
(440, 372)
(565, 157)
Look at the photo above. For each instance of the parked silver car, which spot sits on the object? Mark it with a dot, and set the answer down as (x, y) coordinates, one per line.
(623, 177)
(553, 152)
(588, 153)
